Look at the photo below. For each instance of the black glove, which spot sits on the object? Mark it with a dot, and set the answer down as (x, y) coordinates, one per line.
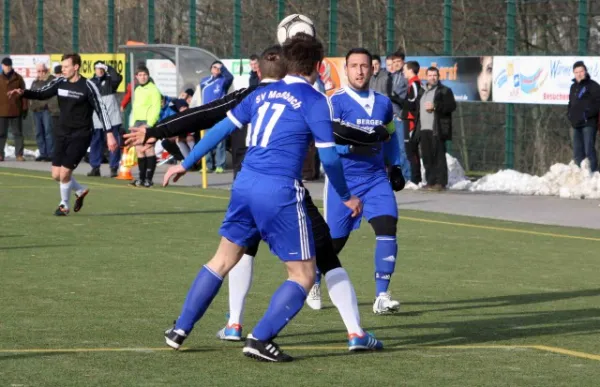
(396, 178)
(365, 150)
(382, 132)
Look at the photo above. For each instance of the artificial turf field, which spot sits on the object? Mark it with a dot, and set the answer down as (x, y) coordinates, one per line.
(84, 299)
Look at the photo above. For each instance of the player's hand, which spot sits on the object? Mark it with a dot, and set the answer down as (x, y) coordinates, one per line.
(111, 142)
(15, 91)
(355, 205)
(396, 178)
(137, 136)
(382, 133)
(177, 171)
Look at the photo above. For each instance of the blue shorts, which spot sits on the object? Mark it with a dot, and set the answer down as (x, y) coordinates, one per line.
(270, 208)
(377, 197)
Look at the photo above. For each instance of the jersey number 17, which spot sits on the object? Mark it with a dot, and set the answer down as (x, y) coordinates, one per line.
(269, 113)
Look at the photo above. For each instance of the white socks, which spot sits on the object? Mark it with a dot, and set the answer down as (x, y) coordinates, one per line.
(76, 187)
(343, 297)
(240, 279)
(65, 192)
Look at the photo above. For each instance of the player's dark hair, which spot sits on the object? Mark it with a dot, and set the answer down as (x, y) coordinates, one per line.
(414, 66)
(398, 54)
(75, 59)
(302, 53)
(433, 68)
(376, 57)
(271, 63)
(359, 50)
(141, 69)
(254, 57)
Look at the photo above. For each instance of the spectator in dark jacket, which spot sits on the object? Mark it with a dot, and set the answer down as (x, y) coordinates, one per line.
(410, 112)
(434, 128)
(381, 77)
(42, 117)
(583, 111)
(254, 79)
(12, 110)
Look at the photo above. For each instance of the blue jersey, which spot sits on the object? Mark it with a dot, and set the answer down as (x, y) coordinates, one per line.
(283, 118)
(364, 113)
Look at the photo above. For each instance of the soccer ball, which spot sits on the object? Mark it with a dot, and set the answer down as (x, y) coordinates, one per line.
(293, 24)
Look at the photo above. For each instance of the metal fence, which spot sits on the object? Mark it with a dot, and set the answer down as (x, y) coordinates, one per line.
(488, 136)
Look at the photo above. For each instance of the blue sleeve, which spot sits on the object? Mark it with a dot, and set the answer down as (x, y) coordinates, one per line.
(335, 171)
(391, 150)
(227, 79)
(214, 136)
(318, 118)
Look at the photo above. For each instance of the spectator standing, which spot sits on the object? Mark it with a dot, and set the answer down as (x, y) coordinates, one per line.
(107, 80)
(42, 117)
(147, 101)
(435, 128)
(381, 77)
(212, 88)
(254, 78)
(12, 110)
(583, 110)
(397, 89)
(410, 112)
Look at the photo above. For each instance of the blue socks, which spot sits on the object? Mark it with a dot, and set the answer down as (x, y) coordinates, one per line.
(385, 262)
(204, 288)
(318, 277)
(285, 304)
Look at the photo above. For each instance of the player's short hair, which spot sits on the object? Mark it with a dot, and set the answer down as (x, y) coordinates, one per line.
(271, 63)
(359, 50)
(142, 69)
(376, 58)
(75, 59)
(302, 53)
(413, 65)
(435, 69)
(398, 54)
(254, 57)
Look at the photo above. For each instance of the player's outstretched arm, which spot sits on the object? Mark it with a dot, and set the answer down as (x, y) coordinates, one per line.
(349, 134)
(46, 92)
(198, 118)
(218, 133)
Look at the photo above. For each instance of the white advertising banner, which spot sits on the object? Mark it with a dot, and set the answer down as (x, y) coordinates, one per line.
(164, 75)
(537, 79)
(25, 66)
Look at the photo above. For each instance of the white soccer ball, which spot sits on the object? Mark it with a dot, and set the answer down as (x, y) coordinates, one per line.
(293, 24)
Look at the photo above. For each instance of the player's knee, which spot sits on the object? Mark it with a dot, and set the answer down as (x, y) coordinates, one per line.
(302, 272)
(227, 256)
(56, 175)
(384, 225)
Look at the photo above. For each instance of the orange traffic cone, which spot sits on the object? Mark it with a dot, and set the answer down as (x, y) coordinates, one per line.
(125, 165)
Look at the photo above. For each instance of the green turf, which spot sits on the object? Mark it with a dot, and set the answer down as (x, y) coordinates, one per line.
(115, 275)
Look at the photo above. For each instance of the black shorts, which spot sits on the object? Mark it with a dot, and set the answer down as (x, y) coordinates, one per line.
(70, 150)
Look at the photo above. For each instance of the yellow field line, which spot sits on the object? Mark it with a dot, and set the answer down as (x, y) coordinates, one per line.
(455, 224)
(492, 228)
(544, 348)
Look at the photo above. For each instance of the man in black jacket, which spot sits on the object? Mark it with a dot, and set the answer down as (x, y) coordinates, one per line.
(583, 111)
(434, 128)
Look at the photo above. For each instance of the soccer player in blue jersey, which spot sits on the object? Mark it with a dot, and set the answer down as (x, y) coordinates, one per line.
(267, 199)
(366, 175)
